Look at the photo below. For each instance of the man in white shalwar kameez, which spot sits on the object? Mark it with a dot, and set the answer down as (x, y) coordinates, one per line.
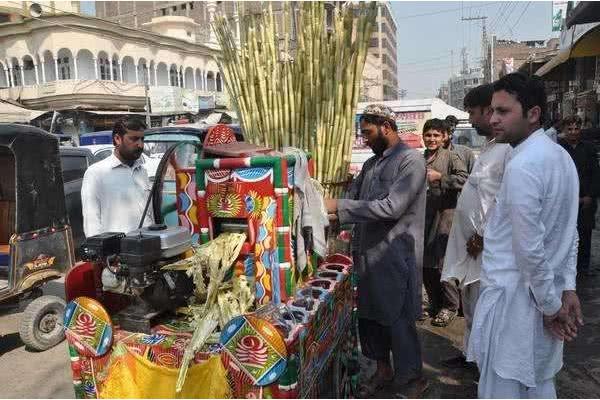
(463, 254)
(527, 304)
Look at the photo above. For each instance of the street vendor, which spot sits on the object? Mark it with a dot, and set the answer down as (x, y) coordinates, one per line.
(387, 203)
(115, 190)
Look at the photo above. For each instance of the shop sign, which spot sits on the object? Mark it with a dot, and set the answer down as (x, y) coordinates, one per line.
(172, 99)
(559, 14)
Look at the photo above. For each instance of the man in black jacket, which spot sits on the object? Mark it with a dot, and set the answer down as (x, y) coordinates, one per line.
(586, 161)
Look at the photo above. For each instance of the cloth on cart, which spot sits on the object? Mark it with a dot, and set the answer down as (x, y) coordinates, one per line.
(133, 376)
(309, 210)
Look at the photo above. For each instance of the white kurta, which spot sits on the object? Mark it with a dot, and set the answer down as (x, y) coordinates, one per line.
(113, 196)
(473, 206)
(529, 259)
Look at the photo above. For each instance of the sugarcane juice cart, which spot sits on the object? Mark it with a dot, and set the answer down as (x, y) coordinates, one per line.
(296, 339)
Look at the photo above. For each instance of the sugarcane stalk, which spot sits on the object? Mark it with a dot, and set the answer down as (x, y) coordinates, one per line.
(306, 96)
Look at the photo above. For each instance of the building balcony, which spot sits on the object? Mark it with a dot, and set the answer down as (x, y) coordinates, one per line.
(87, 94)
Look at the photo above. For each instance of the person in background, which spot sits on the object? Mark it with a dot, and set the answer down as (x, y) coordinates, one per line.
(552, 131)
(446, 174)
(464, 152)
(115, 190)
(465, 244)
(527, 302)
(386, 202)
(586, 161)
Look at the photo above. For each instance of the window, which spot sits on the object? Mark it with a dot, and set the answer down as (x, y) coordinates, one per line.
(104, 69)
(184, 6)
(189, 33)
(174, 8)
(64, 69)
(102, 154)
(73, 167)
(174, 77)
(115, 73)
(16, 75)
(374, 42)
(163, 11)
(191, 5)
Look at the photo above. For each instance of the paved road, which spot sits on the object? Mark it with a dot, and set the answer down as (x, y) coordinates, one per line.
(27, 374)
(580, 377)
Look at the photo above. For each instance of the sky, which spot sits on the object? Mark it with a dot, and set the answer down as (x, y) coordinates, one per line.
(425, 42)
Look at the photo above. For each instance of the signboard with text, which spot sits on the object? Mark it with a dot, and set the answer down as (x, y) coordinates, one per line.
(171, 99)
(559, 14)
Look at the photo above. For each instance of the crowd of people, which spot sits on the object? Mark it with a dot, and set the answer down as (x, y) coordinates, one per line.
(501, 236)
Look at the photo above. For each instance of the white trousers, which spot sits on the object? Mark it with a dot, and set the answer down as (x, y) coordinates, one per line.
(469, 295)
(492, 386)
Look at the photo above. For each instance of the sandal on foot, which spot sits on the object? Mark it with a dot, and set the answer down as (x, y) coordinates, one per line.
(444, 318)
(375, 384)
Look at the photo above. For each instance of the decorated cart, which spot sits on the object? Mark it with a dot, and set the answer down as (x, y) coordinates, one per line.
(294, 340)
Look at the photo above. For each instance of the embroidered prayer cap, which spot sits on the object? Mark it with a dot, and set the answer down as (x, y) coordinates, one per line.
(380, 110)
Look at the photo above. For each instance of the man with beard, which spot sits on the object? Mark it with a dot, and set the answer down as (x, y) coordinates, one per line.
(586, 161)
(463, 254)
(527, 302)
(115, 190)
(446, 174)
(387, 203)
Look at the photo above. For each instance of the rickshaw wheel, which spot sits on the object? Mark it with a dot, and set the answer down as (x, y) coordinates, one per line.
(41, 325)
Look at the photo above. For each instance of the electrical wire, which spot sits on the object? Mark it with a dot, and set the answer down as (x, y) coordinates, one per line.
(499, 15)
(510, 10)
(487, 4)
(520, 16)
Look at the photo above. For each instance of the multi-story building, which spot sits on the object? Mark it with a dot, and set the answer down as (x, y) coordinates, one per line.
(459, 85)
(380, 75)
(64, 61)
(444, 92)
(506, 56)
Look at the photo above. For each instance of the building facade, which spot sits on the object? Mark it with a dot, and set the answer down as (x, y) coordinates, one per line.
(65, 61)
(459, 85)
(380, 75)
(505, 56)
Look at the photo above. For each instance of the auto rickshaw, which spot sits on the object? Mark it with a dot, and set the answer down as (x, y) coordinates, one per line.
(36, 244)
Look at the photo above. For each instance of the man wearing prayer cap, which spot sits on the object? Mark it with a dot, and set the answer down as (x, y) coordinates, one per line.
(386, 202)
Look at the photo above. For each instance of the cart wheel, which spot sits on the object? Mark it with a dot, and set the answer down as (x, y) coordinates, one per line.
(41, 325)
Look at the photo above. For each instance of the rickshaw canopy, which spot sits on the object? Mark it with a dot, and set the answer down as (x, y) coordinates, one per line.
(39, 191)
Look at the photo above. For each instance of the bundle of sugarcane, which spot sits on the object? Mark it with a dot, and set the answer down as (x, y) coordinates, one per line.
(299, 90)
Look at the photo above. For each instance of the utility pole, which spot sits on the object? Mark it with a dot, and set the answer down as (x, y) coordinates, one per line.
(483, 36)
(465, 62)
(148, 120)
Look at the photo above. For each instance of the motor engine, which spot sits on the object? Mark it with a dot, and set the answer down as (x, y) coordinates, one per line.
(131, 265)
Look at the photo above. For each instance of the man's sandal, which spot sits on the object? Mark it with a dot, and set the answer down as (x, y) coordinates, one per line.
(444, 318)
(375, 384)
